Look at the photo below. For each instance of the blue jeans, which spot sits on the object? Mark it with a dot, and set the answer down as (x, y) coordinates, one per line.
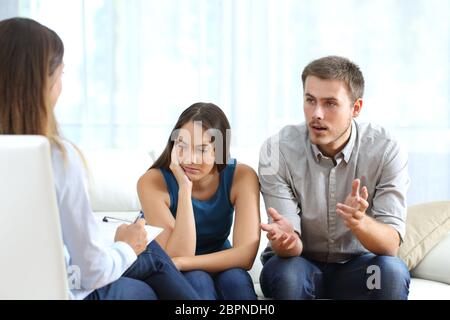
(124, 289)
(231, 284)
(152, 276)
(364, 277)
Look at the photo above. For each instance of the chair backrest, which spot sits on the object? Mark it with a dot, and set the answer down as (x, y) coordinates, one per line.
(32, 262)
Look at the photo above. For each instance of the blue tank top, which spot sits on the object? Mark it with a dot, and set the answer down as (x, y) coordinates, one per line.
(213, 217)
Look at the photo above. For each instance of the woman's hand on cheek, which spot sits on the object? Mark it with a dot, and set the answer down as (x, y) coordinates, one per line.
(177, 170)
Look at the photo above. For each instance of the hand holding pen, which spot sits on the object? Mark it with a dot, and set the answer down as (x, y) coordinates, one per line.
(133, 234)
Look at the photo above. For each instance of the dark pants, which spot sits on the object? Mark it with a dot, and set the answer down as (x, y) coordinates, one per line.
(231, 284)
(364, 277)
(152, 276)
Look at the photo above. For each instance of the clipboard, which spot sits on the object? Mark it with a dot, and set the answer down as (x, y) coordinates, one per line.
(108, 230)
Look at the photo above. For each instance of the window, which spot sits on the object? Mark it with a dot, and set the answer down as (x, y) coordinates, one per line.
(132, 66)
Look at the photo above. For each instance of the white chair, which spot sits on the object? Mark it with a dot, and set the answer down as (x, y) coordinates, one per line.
(31, 247)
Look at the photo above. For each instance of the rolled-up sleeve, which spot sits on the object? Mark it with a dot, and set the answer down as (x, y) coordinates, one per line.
(276, 184)
(389, 202)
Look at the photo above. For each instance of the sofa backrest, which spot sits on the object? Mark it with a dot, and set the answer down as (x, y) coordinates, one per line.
(113, 176)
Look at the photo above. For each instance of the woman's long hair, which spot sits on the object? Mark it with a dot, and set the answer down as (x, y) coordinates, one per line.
(30, 53)
(211, 117)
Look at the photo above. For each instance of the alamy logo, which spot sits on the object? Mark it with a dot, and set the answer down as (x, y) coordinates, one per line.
(74, 277)
(269, 157)
(374, 280)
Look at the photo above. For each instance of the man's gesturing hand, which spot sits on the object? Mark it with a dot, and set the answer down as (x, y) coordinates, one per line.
(353, 211)
(285, 241)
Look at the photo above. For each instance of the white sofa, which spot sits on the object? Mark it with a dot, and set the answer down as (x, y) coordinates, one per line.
(112, 189)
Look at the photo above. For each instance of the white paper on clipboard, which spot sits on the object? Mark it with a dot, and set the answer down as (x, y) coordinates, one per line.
(108, 230)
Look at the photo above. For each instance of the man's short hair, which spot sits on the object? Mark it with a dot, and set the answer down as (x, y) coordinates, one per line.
(337, 68)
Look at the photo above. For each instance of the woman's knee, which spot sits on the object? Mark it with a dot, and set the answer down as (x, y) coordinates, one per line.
(154, 249)
(235, 284)
(203, 284)
(233, 275)
(199, 276)
(155, 259)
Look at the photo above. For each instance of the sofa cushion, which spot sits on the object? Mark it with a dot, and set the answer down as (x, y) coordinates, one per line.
(420, 289)
(426, 225)
(436, 264)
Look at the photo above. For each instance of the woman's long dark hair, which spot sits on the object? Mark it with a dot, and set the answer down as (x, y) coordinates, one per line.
(29, 54)
(211, 117)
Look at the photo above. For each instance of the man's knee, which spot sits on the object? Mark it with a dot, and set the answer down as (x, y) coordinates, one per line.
(393, 268)
(389, 276)
(287, 269)
(290, 278)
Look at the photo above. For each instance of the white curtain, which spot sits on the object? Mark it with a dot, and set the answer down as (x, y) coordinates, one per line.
(132, 66)
(8, 8)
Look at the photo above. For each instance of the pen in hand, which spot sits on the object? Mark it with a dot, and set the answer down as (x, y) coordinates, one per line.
(140, 216)
(108, 218)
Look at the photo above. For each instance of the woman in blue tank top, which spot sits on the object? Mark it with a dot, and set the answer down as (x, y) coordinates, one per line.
(195, 191)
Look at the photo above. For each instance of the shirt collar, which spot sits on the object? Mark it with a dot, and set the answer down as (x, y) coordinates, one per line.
(345, 153)
(316, 152)
(348, 149)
